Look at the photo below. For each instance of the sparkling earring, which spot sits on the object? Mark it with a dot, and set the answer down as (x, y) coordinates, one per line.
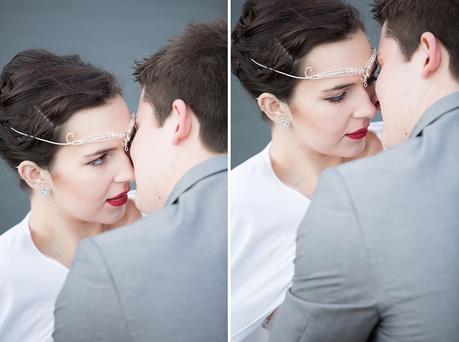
(284, 123)
(44, 191)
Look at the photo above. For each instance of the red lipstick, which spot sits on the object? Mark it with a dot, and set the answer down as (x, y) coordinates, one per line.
(118, 200)
(357, 135)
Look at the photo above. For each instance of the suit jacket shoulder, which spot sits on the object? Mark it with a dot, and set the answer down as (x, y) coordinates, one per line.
(167, 272)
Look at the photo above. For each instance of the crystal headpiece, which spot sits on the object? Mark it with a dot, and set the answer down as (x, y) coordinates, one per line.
(343, 72)
(125, 136)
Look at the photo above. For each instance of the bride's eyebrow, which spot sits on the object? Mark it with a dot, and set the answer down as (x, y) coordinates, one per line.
(105, 150)
(339, 87)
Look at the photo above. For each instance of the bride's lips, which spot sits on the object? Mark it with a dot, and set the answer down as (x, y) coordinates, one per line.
(118, 200)
(357, 135)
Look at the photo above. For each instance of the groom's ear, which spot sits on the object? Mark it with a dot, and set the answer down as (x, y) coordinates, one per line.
(431, 49)
(183, 121)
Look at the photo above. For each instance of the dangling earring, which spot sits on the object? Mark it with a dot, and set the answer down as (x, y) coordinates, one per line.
(284, 123)
(44, 191)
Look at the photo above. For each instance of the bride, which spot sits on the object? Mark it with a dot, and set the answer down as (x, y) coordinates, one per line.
(65, 129)
(310, 67)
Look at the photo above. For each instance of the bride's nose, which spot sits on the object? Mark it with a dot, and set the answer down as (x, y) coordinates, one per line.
(124, 170)
(366, 108)
(371, 90)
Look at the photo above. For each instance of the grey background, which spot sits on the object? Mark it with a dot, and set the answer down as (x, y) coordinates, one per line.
(108, 33)
(249, 133)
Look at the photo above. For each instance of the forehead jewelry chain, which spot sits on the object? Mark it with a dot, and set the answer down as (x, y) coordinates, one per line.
(342, 72)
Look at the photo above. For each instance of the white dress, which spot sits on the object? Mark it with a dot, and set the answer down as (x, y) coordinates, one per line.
(29, 285)
(265, 215)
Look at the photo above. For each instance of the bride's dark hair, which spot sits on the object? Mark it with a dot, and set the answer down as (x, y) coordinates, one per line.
(39, 92)
(279, 33)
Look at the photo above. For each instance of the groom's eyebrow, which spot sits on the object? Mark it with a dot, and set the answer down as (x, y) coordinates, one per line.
(339, 87)
(105, 150)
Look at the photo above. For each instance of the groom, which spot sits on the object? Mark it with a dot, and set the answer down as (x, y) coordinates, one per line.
(378, 250)
(164, 278)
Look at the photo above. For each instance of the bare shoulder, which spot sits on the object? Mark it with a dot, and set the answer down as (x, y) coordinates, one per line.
(373, 146)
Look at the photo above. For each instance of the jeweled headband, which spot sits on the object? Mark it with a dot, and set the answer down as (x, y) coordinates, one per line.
(343, 72)
(125, 136)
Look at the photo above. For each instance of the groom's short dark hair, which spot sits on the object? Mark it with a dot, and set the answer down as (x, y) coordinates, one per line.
(407, 20)
(192, 67)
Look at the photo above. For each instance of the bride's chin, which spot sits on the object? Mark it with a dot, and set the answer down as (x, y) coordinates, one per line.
(354, 151)
(116, 215)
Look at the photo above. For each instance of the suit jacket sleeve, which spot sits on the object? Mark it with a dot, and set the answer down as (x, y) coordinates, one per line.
(333, 296)
(88, 307)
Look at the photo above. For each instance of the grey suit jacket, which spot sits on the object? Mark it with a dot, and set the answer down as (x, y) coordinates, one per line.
(163, 278)
(378, 250)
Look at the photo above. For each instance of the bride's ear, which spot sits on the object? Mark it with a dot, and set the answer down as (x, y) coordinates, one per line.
(33, 175)
(274, 108)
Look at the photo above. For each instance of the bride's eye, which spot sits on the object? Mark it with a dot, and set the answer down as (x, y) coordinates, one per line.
(99, 161)
(337, 99)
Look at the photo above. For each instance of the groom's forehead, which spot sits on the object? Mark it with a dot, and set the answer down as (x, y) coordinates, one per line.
(383, 35)
(386, 41)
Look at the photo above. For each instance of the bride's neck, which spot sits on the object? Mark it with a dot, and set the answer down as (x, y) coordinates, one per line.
(55, 233)
(297, 166)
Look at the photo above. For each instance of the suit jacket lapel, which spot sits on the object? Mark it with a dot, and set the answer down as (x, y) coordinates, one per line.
(203, 170)
(445, 105)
